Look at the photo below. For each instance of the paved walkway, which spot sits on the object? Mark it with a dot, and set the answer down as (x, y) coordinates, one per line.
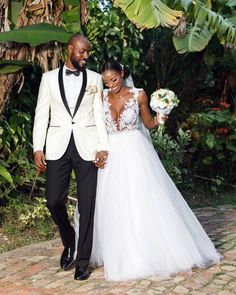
(34, 270)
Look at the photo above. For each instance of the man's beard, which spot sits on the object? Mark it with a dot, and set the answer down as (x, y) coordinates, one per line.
(76, 64)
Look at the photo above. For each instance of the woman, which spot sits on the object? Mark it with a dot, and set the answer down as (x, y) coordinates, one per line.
(142, 226)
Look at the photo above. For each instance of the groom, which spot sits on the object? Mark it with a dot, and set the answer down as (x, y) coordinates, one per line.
(68, 124)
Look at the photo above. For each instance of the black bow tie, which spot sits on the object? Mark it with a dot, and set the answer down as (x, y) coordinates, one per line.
(69, 72)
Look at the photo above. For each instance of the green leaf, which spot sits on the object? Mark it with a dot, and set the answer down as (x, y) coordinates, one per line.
(210, 141)
(11, 66)
(10, 69)
(220, 156)
(185, 4)
(232, 137)
(196, 39)
(15, 8)
(206, 23)
(231, 3)
(71, 15)
(149, 13)
(207, 161)
(5, 174)
(5, 62)
(230, 146)
(72, 2)
(232, 20)
(36, 34)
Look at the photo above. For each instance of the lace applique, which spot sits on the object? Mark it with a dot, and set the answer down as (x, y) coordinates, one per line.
(128, 119)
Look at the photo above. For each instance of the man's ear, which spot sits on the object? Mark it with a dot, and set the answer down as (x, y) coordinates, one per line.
(70, 48)
(122, 73)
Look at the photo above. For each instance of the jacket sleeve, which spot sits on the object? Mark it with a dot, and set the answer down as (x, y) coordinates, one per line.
(98, 116)
(42, 114)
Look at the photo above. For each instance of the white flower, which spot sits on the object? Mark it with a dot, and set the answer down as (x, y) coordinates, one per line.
(91, 89)
(163, 99)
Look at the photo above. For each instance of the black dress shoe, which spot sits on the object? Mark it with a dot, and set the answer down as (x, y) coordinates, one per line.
(67, 258)
(81, 275)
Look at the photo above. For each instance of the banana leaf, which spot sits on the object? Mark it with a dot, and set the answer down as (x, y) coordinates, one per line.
(206, 24)
(12, 66)
(196, 39)
(36, 34)
(149, 14)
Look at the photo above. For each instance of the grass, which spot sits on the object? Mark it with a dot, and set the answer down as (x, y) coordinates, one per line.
(205, 198)
(11, 237)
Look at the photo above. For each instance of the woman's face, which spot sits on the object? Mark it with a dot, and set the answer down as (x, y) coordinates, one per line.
(113, 80)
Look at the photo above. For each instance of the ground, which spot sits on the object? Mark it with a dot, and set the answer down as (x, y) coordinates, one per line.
(34, 269)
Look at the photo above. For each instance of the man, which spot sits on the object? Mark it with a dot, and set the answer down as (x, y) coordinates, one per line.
(69, 125)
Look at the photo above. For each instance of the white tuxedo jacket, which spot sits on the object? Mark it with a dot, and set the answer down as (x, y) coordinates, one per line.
(53, 123)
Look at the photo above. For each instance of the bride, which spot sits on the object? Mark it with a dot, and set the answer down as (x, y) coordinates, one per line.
(142, 226)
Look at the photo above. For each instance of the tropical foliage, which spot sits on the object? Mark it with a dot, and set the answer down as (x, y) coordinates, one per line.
(213, 142)
(194, 27)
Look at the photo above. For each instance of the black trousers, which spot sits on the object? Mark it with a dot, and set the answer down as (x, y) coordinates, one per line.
(58, 174)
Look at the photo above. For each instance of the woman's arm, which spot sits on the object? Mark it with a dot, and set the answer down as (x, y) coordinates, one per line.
(148, 120)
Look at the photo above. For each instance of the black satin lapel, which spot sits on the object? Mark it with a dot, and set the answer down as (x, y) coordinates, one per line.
(82, 91)
(62, 90)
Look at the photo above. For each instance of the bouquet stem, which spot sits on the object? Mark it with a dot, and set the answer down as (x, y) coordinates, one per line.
(161, 128)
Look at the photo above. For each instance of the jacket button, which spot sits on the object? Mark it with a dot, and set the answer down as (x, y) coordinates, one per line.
(73, 122)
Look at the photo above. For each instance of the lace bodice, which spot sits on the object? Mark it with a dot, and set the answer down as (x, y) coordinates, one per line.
(128, 118)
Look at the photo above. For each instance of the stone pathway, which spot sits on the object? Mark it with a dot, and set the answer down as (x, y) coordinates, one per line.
(34, 270)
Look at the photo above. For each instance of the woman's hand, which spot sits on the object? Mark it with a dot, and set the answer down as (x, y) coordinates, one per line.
(100, 159)
(160, 118)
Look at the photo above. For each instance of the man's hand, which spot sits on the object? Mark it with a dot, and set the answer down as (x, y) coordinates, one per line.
(40, 162)
(100, 159)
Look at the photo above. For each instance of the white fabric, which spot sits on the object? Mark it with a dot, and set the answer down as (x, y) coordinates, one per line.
(129, 81)
(142, 225)
(87, 125)
(72, 86)
(128, 117)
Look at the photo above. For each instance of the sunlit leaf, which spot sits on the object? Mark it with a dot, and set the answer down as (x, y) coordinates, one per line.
(149, 14)
(5, 174)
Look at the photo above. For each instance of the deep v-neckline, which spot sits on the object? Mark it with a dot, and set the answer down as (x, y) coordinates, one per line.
(123, 109)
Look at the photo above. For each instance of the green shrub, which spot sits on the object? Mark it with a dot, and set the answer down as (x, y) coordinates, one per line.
(39, 212)
(17, 170)
(212, 152)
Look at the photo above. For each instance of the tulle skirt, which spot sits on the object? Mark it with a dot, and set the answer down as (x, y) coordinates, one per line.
(143, 226)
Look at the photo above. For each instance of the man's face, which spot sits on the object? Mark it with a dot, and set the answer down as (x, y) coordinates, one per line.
(79, 53)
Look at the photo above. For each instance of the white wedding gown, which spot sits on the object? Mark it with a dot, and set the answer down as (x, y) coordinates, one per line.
(142, 225)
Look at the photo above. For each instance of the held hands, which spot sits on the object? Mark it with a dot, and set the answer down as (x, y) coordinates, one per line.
(100, 159)
(40, 162)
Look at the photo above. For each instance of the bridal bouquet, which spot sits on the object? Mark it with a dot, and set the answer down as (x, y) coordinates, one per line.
(163, 101)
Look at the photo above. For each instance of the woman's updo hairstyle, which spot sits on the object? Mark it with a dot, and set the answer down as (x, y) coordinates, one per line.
(113, 65)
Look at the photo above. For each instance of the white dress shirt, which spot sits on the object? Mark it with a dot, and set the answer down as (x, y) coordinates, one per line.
(72, 86)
